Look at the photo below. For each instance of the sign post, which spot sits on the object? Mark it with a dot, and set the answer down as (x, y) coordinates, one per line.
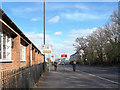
(47, 49)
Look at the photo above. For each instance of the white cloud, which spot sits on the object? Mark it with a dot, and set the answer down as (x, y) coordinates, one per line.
(54, 19)
(37, 38)
(78, 16)
(35, 19)
(58, 48)
(69, 42)
(63, 48)
(24, 11)
(81, 32)
(57, 33)
(21, 10)
(81, 7)
(65, 7)
(66, 47)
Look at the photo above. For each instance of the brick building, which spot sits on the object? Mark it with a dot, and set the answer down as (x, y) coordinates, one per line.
(16, 50)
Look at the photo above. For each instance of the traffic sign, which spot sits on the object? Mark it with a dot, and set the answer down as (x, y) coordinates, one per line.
(47, 49)
(63, 55)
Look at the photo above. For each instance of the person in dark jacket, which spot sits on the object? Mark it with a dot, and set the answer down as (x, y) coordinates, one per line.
(55, 65)
(74, 66)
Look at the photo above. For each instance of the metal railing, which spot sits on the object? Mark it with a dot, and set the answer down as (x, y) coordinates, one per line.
(23, 77)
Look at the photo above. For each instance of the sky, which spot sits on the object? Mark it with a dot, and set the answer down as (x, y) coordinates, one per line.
(65, 21)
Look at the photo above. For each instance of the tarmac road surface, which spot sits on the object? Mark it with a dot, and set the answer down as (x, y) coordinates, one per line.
(84, 77)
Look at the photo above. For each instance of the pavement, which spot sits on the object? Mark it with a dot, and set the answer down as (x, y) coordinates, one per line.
(84, 77)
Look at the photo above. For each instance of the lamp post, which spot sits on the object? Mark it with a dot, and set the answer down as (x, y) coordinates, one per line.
(44, 36)
(44, 23)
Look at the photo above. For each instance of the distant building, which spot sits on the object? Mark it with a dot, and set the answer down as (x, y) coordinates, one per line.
(73, 57)
(67, 61)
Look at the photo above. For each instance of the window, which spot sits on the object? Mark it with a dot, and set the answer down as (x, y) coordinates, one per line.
(22, 53)
(5, 46)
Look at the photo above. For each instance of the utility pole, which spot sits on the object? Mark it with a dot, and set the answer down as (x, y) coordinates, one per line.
(44, 36)
(44, 23)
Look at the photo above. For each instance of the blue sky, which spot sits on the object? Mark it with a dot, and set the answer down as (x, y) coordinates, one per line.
(64, 21)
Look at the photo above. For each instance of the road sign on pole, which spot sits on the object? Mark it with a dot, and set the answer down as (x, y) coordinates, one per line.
(47, 49)
(63, 55)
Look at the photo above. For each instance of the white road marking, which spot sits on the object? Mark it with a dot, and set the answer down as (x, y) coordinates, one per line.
(91, 74)
(100, 77)
(97, 77)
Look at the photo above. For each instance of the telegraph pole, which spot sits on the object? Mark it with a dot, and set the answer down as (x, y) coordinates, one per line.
(44, 35)
(44, 23)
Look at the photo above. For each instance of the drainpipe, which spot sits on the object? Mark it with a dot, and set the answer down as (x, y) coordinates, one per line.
(30, 54)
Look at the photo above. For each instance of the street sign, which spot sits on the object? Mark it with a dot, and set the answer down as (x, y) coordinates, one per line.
(46, 49)
(63, 55)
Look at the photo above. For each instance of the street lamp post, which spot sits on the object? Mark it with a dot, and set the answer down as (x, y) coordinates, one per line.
(44, 23)
(44, 35)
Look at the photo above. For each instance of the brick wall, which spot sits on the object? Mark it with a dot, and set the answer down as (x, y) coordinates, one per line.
(36, 57)
(15, 53)
(28, 55)
(42, 58)
(15, 56)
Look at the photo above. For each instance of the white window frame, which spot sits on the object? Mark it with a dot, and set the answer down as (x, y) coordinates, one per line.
(8, 48)
(24, 50)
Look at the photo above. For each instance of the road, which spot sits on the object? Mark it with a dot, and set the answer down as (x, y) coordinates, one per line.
(84, 77)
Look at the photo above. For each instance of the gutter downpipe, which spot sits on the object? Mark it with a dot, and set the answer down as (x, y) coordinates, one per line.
(31, 54)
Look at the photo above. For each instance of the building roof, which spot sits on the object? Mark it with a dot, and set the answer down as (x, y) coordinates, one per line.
(9, 22)
(74, 54)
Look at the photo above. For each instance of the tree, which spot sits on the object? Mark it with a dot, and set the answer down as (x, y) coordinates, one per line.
(102, 46)
(81, 44)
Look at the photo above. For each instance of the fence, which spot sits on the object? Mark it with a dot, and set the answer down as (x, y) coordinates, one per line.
(23, 77)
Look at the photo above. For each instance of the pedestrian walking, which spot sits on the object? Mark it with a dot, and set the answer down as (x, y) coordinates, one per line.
(74, 66)
(55, 65)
